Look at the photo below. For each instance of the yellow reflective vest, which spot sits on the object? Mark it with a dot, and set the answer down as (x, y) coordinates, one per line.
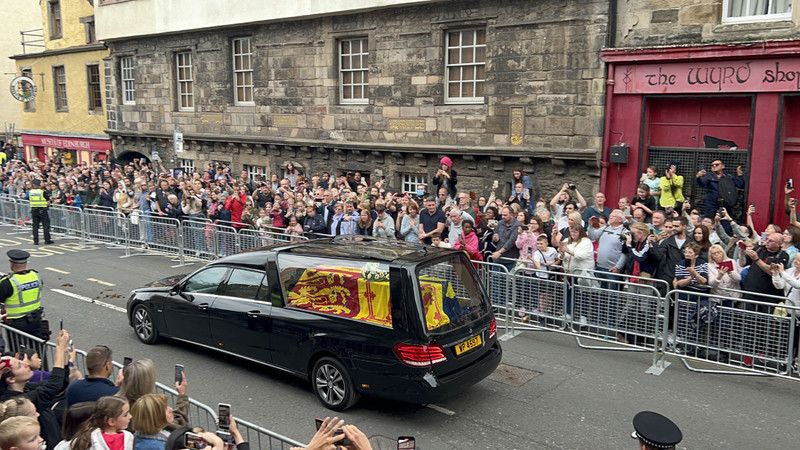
(25, 298)
(36, 198)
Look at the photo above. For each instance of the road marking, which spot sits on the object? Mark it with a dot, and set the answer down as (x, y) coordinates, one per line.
(89, 300)
(104, 283)
(57, 270)
(442, 410)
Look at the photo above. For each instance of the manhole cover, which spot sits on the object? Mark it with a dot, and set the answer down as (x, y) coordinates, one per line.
(512, 375)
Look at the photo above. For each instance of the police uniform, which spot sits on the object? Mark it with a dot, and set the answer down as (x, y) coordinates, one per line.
(38, 199)
(656, 431)
(20, 293)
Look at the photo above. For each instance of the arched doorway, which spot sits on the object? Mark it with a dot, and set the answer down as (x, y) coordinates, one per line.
(129, 156)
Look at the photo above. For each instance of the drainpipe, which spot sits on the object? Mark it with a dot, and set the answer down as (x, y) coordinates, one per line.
(611, 41)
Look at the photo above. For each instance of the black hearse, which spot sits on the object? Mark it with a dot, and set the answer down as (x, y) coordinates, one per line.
(353, 316)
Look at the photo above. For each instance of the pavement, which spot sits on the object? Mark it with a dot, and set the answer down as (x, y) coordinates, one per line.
(547, 394)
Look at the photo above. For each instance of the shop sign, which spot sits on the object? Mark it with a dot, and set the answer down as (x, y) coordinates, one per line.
(97, 145)
(761, 75)
(23, 89)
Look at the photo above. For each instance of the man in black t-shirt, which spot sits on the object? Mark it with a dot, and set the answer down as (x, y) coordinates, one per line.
(759, 278)
(431, 220)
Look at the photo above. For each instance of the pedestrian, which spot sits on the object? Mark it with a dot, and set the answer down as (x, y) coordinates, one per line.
(21, 291)
(38, 199)
(446, 177)
(655, 431)
(722, 188)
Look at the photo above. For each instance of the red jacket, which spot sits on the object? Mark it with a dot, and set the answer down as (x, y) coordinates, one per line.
(236, 206)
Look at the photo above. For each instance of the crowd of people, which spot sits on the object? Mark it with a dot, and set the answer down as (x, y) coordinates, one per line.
(655, 233)
(62, 408)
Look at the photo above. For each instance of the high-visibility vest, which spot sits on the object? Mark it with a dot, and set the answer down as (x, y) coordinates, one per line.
(25, 297)
(36, 198)
(3, 157)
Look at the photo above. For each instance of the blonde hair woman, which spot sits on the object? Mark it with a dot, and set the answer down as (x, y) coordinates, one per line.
(723, 273)
(139, 378)
(152, 414)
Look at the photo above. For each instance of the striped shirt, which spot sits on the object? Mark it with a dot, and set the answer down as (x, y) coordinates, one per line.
(682, 273)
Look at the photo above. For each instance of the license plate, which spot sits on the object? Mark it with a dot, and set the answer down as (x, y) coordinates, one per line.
(469, 344)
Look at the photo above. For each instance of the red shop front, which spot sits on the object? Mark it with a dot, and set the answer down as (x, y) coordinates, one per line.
(72, 150)
(680, 104)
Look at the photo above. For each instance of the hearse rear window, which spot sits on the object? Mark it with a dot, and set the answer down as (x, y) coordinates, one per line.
(356, 290)
(451, 295)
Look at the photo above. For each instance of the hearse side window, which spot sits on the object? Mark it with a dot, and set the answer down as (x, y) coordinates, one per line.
(242, 283)
(355, 290)
(206, 281)
(451, 295)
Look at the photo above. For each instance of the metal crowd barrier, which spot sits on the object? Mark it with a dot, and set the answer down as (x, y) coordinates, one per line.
(200, 414)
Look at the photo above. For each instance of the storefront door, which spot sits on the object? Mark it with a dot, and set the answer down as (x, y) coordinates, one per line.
(791, 157)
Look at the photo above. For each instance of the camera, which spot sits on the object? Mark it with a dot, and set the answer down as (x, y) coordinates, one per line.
(193, 441)
(721, 212)
(572, 186)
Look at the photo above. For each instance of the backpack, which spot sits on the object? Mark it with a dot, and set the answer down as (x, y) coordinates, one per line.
(727, 191)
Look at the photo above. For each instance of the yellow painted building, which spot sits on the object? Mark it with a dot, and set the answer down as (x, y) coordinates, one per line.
(67, 118)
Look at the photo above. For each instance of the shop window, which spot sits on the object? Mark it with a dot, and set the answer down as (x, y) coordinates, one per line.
(185, 81)
(127, 77)
(95, 90)
(753, 10)
(54, 18)
(60, 88)
(242, 71)
(411, 181)
(465, 64)
(353, 71)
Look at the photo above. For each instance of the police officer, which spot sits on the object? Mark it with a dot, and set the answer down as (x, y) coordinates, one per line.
(655, 431)
(20, 291)
(38, 200)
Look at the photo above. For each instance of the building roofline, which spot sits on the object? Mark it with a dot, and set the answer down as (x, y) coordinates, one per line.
(61, 51)
(761, 49)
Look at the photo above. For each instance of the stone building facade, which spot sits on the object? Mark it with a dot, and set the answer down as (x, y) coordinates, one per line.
(539, 108)
(693, 81)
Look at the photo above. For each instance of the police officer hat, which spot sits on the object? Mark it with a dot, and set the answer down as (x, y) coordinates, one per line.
(18, 256)
(656, 430)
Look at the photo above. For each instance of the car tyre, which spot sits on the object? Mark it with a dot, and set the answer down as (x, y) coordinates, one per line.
(332, 384)
(143, 324)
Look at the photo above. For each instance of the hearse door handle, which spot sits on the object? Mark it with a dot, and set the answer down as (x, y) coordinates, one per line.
(202, 306)
(254, 314)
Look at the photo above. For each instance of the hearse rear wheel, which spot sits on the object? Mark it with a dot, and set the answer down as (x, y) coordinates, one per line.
(332, 384)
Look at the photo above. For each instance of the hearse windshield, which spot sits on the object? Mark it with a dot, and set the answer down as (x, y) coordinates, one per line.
(450, 293)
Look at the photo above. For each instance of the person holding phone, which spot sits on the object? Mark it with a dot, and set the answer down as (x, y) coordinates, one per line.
(724, 273)
(789, 281)
(331, 431)
(97, 384)
(139, 379)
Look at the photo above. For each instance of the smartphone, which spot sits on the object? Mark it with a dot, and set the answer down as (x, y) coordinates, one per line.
(224, 414)
(789, 183)
(179, 373)
(126, 361)
(225, 436)
(192, 440)
(343, 441)
(406, 443)
(60, 325)
(742, 245)
(71, 347)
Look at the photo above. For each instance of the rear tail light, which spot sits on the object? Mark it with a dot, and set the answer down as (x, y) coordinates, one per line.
(419, 355)
(493, 328)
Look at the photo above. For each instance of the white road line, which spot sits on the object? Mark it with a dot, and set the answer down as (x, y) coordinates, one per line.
(442, 410)
(104, 283)
(56, 270)
(89, 300)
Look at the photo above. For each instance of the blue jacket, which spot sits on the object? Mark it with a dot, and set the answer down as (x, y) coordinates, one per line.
(157, 442)
(89, 390)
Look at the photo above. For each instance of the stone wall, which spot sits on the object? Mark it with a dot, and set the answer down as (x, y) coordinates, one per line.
(543, 69)
(644, 23)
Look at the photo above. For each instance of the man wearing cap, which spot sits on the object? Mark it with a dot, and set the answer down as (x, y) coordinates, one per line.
(655, 431)
(38, 200)
(20, 291)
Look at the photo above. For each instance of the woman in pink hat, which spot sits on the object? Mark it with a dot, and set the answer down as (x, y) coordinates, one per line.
(446, 177)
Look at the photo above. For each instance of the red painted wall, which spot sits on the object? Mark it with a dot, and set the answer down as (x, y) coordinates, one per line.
(682, 122)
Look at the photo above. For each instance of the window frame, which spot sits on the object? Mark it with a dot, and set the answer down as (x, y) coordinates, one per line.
(447, 65)
(235, 72)
(363, 69)
(183, 286)
(94, 90)
(31, 105)
(263, 283)
(125, 81)
(179, 82)
(187, 163)
(54, 19)
(91, 31)
(769, 17)
(252, 171)
(56, 89)
(404, 181)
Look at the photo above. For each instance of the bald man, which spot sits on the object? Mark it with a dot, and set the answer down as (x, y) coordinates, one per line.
(759, 279)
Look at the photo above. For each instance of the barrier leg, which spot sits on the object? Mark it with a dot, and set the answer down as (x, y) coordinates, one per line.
(660, 362)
